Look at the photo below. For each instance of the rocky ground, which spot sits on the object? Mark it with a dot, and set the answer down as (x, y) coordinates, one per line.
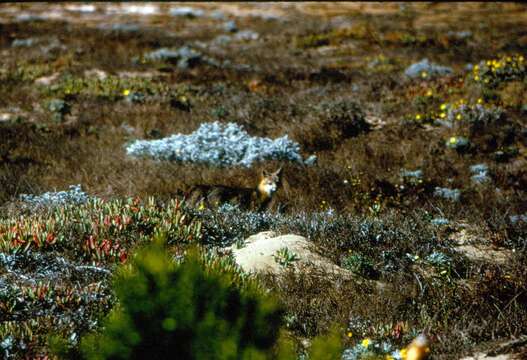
(400, 129)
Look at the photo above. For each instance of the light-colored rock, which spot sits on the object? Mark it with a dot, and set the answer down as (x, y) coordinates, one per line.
(482, 356)
(484, 253)
(471, 246)
(5, 117)
(258, 254)
(95, 73)
(47, 80)
(138, 74)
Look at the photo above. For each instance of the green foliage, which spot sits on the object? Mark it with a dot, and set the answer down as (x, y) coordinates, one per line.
(98, 230)
(109, 88)
(334, 37)
(58, 108)
(491, 73)
(25, 72)
(458, 143)
(313, 40)
(185, 308)
(359, 264)
(285, 257)
(327, 346)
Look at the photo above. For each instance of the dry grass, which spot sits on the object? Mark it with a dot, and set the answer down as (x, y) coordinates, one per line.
(283, 91)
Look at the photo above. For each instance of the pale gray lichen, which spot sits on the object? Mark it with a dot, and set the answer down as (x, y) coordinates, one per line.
(425, 68)
(217, 144)
(74, 195)
(480, 173)
(446, 193)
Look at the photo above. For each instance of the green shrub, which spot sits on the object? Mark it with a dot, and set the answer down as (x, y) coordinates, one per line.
(491, 73)
(327, 346)
(197, 309)
(360, 264)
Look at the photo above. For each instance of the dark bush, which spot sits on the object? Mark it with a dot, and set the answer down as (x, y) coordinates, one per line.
(331, 123)
(197, 309)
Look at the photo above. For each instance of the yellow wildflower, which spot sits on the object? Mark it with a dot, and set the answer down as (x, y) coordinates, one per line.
(424, 74)
(403, 353)
(476, 78)
(442, 115)
(489, 62)
(443, 106)
(350, 334)
(520, 59)
(453, 140)
(429, 93)
(388, 357)
(418, 117)
(126, 92)
(365, 342)
(480, 101)
(458, 117)
(476, 67)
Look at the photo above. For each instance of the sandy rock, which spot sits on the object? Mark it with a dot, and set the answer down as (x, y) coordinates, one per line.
(485, 253)
(95, 73)
(470, 246)
(138, 74)
(4, 117)
(482, 356)
(376, 122)
(47, 80)
(258, 254)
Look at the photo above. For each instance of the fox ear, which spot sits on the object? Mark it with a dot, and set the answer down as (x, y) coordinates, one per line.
(277, 172)
(264, 173)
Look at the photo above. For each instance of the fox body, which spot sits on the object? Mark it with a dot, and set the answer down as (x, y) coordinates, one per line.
(255, 199)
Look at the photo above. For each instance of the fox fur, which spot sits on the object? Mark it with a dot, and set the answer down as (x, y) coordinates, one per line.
(258, 198)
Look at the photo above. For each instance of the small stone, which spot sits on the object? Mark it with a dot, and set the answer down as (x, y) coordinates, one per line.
(230, 26)
(311, 160)
(247, 35)
(24, 42)
(47, 80)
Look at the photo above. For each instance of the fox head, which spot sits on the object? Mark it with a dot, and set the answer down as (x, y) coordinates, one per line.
(268, 184)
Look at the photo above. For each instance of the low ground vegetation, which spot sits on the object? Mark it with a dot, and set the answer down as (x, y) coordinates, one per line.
(400, 131)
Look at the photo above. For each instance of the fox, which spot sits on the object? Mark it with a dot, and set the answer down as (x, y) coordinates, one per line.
(257, 199)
